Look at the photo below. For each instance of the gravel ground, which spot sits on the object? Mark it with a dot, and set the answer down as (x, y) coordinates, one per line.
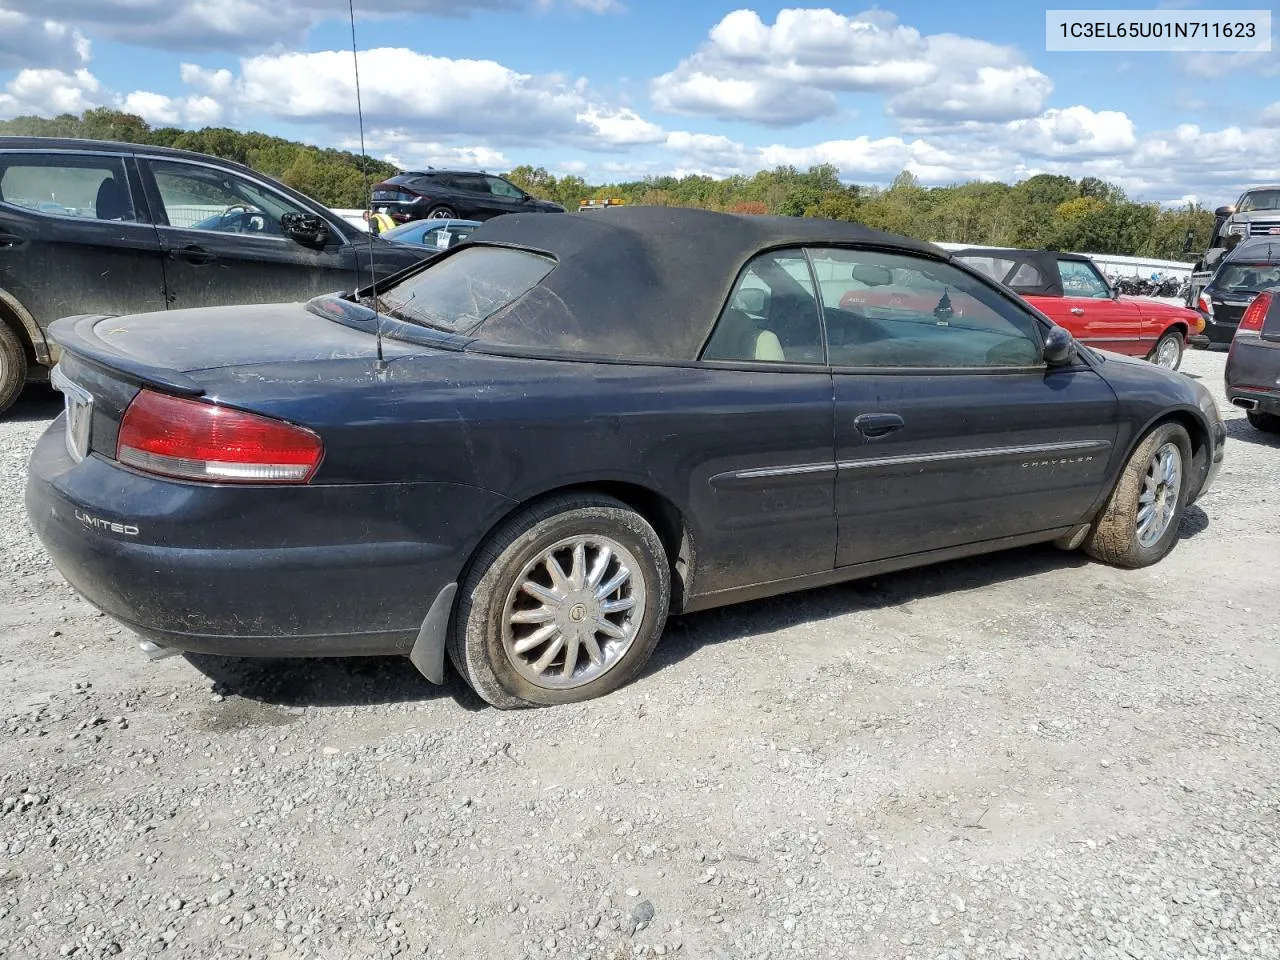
(1027, 755)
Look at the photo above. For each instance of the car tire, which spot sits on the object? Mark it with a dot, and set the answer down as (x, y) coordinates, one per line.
(441, 213)
(13, 367)
(501, 633)
(1118, 536)
(1168, 351)
(1266, 422)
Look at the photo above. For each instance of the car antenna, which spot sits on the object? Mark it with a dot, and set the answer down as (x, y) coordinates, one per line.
(381, 364)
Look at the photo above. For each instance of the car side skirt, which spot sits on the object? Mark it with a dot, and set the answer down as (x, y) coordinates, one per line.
(758, 591)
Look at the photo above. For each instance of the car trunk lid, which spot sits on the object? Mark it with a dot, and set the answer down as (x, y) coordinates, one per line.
(206, 352)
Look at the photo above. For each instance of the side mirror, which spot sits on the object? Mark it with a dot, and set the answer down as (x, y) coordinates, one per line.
(305, 228)
(1059, 347)
(1224, 211)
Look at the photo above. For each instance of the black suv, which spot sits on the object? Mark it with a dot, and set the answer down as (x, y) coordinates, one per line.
(1253, 266)
(453, 194)
(119, 228)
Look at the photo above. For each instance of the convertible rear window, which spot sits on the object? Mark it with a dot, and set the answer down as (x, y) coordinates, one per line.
(460, 291)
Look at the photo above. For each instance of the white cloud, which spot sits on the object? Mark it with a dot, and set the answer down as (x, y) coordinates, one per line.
(1271, 115)
(155, 108)
(49, 93)
(34, 42)
(790, 71)
(164, 111)
(248, 25)
(400, 88)
(409, 152)
(1074, 132)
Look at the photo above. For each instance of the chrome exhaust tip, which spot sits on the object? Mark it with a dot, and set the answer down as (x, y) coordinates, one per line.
(1245, 403)
(156, 652)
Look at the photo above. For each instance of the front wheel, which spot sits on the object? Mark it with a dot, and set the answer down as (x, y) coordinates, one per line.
(1139, 524)
(1168, 352)
(13, 367)
(564, 602)
(1266, 422)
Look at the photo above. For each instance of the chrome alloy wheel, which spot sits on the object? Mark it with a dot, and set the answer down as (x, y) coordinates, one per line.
(1168, 354)
(1158, 498)
(573, 612)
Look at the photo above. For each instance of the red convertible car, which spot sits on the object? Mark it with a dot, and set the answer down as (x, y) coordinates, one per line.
(1069, 289)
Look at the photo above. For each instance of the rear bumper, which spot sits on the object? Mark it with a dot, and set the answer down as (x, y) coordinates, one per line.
(1219, 332)
(254, 571)
(1253, 374)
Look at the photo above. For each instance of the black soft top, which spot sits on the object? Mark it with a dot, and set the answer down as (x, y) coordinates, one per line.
(645, 282)
(1028, 272)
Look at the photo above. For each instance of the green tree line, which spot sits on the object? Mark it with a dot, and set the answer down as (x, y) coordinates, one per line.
(1045, 211)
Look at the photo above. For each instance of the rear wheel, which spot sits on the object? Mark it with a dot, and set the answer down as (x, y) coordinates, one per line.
(1267, 422)
(565, 602)
(1168, 351)
(1139, 524)
(13, 367)
(441, 213)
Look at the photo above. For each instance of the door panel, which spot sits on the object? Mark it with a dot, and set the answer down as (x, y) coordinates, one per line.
(979, 456)
(70, 240)
(222, 242)
(949, 430)
(762, 489)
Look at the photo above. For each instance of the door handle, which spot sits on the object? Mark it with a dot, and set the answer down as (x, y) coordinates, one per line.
(194, 254)
(1077, 311)
(10, 240)
(872, 425)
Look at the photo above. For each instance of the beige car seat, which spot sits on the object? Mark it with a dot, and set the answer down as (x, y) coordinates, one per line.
(738, 337)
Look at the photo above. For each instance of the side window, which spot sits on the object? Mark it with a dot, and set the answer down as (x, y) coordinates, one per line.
(772, 314)
(892, 310)
(1081, 279)
(67, 185)
(204, 198)
(471, 183)
(500, 188)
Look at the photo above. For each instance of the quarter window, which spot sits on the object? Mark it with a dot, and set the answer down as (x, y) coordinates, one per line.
(772, 314)
(66, 185)
(203, 198)
(890, 310)
(1081, 279)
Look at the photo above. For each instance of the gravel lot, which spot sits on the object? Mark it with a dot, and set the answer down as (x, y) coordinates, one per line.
(1028, 755)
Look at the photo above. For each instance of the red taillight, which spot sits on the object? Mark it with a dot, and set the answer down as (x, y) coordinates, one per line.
(1255, 314)
(193, 440)
(1204, 306)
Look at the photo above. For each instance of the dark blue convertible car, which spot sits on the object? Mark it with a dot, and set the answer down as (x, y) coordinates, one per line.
(529, 450)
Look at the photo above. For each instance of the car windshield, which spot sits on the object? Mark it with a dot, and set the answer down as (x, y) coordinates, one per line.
(458, 292)
(1247, 277)
(1259, 200)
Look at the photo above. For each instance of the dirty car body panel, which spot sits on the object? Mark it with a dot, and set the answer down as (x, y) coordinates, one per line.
(595, 372)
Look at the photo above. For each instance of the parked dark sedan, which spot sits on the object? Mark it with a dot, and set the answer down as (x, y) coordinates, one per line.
(1250, 267)
(124, 228)
(450, 194)
(1253, 363)
(557, 432)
